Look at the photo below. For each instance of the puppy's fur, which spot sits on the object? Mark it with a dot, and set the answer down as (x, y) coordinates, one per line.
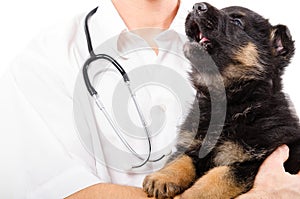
(238, 59)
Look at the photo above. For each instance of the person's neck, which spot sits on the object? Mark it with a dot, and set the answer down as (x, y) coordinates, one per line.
(138, 14)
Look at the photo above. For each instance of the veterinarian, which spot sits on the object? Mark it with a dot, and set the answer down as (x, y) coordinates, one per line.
(47, 158)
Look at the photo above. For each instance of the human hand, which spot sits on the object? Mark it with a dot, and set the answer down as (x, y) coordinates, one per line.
(272, 181)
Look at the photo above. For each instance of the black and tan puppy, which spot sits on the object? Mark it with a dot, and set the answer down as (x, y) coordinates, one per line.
(238, 59)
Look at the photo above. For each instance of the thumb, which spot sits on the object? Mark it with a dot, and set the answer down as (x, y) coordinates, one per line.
(276, 159)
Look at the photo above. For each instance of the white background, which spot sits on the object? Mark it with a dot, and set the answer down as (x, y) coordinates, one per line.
(21, 20)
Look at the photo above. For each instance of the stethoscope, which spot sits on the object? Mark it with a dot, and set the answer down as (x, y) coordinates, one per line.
(93, 57)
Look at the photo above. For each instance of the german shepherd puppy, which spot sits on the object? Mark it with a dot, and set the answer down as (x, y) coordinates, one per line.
(238, 59)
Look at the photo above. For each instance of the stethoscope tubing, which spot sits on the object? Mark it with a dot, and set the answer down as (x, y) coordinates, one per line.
(93, 58)
(92, 91)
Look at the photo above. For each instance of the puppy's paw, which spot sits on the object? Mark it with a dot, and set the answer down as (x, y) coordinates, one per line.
(172, 179)
(162, 185)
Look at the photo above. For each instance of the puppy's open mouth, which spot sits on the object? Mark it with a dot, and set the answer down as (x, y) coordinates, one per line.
(196, 35)
(202, 39)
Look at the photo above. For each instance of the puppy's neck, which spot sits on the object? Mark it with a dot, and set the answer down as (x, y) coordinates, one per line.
(235, 93)
(249, 92)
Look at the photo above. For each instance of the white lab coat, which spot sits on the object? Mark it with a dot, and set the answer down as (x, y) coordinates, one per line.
(45, 155)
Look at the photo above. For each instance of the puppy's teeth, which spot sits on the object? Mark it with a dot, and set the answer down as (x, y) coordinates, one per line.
(200, 37)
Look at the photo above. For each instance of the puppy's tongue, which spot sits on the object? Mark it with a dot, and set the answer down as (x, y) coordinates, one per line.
(202, 39)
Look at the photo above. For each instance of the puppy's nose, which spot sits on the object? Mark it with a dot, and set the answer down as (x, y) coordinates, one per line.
(200, 7)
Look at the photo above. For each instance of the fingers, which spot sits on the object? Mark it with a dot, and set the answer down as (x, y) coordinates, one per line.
(283, 153)
(276, 159)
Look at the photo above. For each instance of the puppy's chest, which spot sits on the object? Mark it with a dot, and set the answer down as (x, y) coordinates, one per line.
(238, 123)
(229, 152)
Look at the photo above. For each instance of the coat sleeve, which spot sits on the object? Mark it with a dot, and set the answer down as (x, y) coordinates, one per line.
(41, 154)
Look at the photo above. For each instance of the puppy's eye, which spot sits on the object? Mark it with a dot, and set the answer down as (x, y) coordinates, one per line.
(238, 22)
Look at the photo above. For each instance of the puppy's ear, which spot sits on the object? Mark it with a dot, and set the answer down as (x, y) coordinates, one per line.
(282, 42)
